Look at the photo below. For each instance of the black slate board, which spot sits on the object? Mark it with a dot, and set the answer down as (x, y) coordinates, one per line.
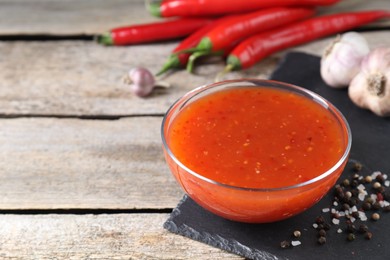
(370, 146)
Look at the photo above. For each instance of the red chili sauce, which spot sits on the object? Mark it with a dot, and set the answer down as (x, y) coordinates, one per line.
(256, 137)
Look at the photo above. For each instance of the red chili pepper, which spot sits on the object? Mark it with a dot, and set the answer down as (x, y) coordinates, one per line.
(156, 31)
(254, 48)
(177, 60)
(217, 7)
(242, 26)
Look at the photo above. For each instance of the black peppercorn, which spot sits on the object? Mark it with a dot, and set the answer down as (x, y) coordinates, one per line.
(355, 193)
(380, 178)
(351, 228)
(369, 200)
(354, 183)
(366, 206)
(355, 214)
(321, 240)
(376, 206)
(357, 166)
(285, 244)
(381, 189)
(346, 206)
(339, 192)
(353, 201)
(322, 233)
(368, 235)
(363, 228)
(336, 215)
(351, 237)
(320, 220)
(346, 183)
(326, 226)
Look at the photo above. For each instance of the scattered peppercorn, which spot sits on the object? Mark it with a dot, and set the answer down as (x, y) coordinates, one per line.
(326, 226)
(357, 166)
(351, 237)
(366, 206)
(380, 178)
(339, 192)
(353, 198)
(368, 235)
(346, 183)
(297, 233)
(355, 214)
(322, 233)
(381, 189)
(321, 240)
(346, 206)
(320, 220)
(363, 228)
(368, 179)
(376, 185)
(376, 206)
(285, 244)
(354, 183)
(351, 228)
(375, 216)
(370, 200)
(336, 215)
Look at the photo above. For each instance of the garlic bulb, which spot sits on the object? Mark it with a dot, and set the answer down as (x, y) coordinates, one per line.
(370, 88)
(341, 59)
(142, 81)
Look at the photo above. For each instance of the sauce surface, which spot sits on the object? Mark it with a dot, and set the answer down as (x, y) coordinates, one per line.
(256, 137)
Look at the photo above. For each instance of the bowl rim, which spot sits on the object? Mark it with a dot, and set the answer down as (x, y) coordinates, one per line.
(296, 89)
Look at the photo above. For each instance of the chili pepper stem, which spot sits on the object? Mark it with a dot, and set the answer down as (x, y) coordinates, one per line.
(105, 39)
(196, 55)
(228, 68)
(153, 6)
(192, 59)
(172, 62)
(189, 50)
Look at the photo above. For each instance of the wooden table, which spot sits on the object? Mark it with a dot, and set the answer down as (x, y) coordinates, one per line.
(81, 166)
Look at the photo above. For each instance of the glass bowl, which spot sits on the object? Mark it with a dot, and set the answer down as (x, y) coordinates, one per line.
(254, 203)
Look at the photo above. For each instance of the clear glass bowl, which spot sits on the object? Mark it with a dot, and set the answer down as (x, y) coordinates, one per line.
(253, 205)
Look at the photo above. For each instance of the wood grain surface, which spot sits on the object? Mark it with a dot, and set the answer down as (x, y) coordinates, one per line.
(81, 78)
(75, 141)
(114, 236)
(49, 163)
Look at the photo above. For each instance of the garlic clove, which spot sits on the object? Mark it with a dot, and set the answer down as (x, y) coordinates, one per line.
(370, 88)
(341, 59)
(142, 81)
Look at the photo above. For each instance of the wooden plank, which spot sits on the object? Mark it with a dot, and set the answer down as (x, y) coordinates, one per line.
(122, 236)
(72, 17)
(83, 78)
(50, 163)
(69, 17)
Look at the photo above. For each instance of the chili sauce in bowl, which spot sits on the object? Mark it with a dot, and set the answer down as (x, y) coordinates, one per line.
(255, 150)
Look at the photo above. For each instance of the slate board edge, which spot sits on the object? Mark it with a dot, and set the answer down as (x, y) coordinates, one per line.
(228, 245)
